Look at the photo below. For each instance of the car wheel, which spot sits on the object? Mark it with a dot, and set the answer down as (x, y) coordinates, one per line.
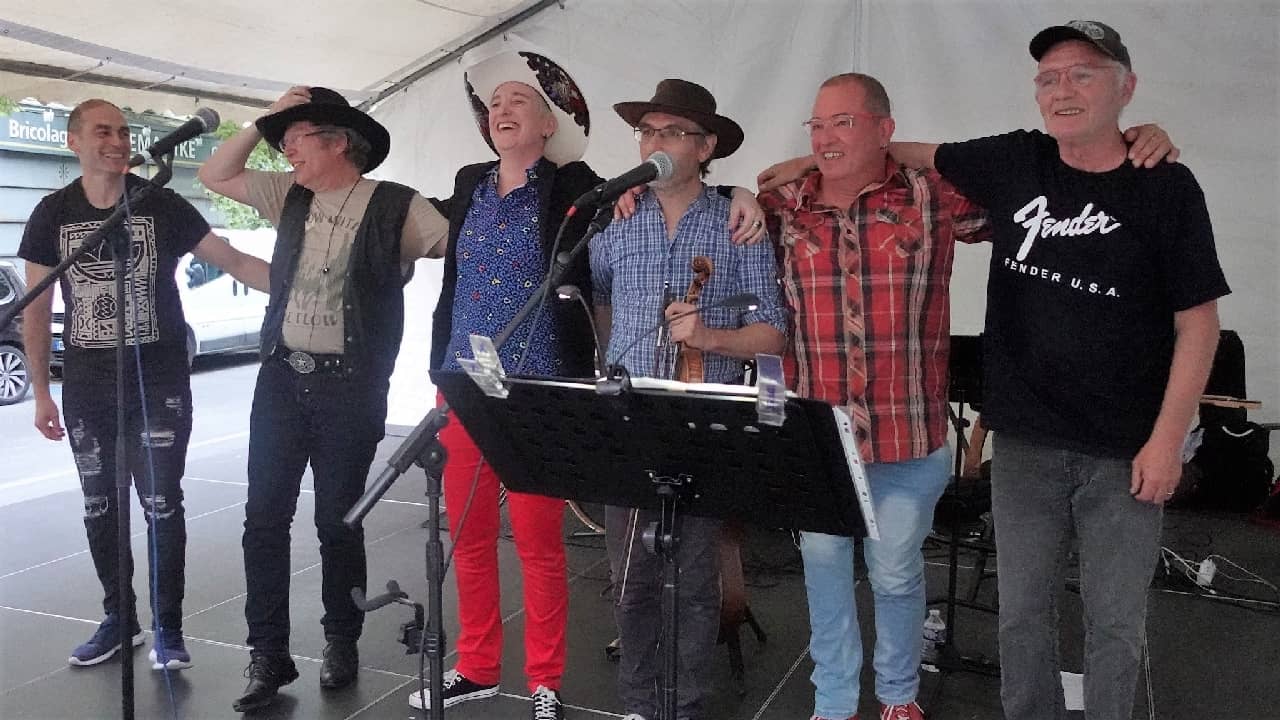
(15, 377)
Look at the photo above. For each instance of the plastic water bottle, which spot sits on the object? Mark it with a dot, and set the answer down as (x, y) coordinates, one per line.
(935, 633)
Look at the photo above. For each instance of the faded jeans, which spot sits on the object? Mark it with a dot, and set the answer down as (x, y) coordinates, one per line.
(1040, 496)
(89, 412)
(904, 495)
(638, 592)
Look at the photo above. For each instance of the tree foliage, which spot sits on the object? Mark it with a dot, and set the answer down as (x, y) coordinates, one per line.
(7, 105)
(239, 216)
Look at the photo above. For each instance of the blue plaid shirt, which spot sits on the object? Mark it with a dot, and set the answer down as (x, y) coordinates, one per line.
(635, 269)
(500, 266)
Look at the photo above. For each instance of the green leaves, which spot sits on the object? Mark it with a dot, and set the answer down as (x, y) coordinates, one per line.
(237, 215)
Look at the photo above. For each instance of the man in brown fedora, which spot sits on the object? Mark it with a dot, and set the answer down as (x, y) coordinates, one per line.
(636, 266)
(329, 343)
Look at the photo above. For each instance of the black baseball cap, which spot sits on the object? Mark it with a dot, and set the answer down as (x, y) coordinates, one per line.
(1100, 35)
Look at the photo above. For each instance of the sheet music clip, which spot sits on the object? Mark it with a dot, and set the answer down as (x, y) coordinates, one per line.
(615, 381)
(771, 391)
(486, 368)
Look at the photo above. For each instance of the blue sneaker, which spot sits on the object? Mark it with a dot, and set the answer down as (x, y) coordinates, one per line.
(104, 643)
(168, 652)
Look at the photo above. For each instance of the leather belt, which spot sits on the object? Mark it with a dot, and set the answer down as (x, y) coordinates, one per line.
(305, 363)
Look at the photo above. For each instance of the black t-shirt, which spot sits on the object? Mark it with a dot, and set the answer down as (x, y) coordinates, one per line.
(163, 228)
(1087, 271)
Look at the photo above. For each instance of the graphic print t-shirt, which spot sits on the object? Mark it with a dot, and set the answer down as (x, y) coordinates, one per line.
(1087, 271)
(163, 228)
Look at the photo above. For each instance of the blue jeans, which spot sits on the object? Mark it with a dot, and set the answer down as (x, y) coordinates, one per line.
(334, 423)
(1040, 497)
(904, 495)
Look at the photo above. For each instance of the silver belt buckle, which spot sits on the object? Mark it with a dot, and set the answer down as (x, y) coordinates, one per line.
(301, 362)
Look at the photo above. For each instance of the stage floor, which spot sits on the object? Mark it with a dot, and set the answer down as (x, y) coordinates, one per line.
(1208, 659)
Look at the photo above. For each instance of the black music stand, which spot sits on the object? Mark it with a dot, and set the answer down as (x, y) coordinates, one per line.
(965, 388)
(704, 454)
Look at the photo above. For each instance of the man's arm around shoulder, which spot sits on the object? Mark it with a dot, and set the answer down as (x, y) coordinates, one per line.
(252, 271)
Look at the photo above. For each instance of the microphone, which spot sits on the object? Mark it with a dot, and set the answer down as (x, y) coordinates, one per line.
(205, 120)
(741, 301)
(659, 166)
(572, 293)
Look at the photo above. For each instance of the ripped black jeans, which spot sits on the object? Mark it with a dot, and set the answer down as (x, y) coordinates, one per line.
(89, 413)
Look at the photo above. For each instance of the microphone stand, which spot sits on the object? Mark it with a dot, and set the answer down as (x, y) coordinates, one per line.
(423, 448)
(120, 244)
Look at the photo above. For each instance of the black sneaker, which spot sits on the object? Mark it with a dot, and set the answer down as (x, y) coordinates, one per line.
(267, 673)
(457, 689)
(546, 704)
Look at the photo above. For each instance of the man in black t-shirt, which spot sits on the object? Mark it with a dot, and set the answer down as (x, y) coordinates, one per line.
(1100, 332)
(161, 229)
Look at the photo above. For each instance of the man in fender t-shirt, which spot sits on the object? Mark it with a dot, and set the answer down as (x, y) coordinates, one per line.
(1101, 327)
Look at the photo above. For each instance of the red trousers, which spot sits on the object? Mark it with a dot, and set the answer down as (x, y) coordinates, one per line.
(538, 524)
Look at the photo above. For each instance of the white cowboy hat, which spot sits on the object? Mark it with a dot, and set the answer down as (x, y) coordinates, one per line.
(573, 120)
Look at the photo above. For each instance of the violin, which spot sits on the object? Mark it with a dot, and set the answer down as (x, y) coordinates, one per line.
(689, 360)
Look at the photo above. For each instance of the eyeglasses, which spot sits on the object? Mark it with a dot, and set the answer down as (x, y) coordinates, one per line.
(644, 132)
(1081, 75)
(286, 141)
(839, 121)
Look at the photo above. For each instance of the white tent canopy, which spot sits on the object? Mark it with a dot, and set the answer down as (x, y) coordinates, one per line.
(237, 55)
(1207, 71)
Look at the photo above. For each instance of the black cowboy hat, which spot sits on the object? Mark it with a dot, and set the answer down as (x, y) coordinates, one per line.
(329, 108)
(687, 100)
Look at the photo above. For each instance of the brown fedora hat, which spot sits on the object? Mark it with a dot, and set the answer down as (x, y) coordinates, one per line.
(687, 100)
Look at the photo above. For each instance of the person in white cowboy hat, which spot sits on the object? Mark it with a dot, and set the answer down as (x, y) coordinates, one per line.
(503, 216)
(635, 264)
(329, 343)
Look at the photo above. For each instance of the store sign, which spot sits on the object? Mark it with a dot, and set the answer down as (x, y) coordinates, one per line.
(44, 131)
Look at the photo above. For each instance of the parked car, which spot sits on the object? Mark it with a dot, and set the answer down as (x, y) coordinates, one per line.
(15, 377)
(223, 314)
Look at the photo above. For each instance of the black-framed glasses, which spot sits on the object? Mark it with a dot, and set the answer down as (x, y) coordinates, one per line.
(644, 132)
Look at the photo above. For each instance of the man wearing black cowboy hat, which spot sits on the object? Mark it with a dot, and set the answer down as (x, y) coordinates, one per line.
(635, 263)
(329, 343)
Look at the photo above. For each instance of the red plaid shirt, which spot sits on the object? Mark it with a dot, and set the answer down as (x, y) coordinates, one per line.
(871, 311)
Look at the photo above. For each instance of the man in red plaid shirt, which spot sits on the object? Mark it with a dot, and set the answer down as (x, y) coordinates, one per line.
(866, 247)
